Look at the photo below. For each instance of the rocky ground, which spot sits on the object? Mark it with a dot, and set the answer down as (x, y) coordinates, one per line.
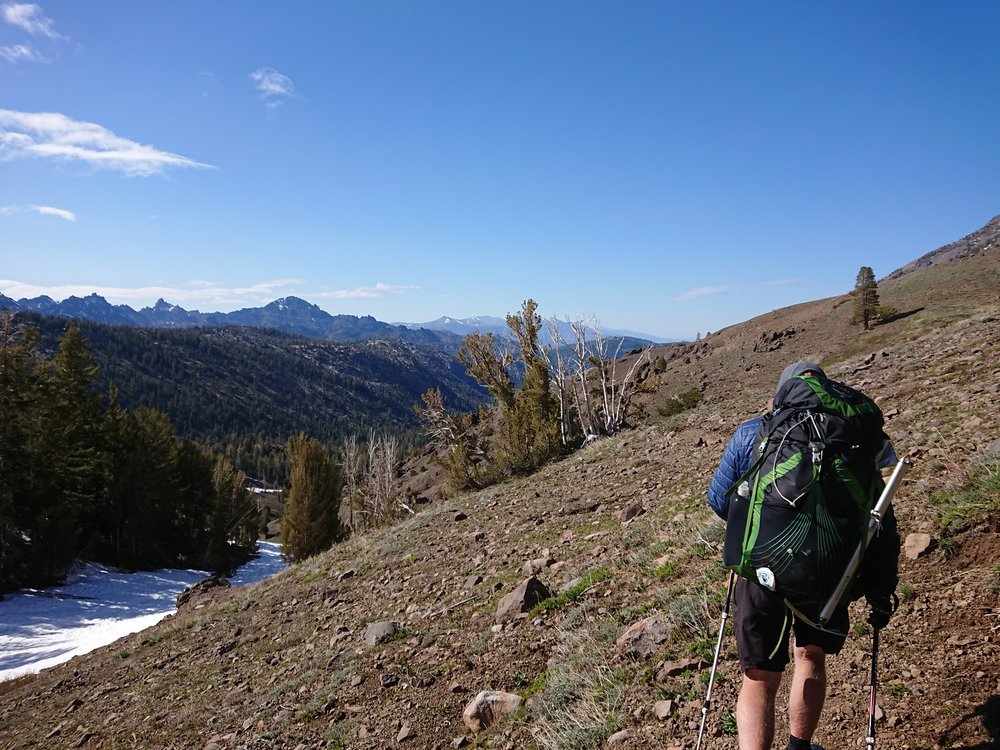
(387, 639)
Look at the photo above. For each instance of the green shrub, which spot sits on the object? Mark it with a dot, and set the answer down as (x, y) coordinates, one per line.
(729, 724)
(977, 498)
(601, 574)
(885, 312)
(680, 403)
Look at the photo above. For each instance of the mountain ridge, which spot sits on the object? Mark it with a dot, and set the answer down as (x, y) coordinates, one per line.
(287, 314)
(290, 315)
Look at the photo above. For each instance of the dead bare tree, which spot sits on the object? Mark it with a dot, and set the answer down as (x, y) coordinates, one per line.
(439, 423)
(581, 394)
(382, 490)
(616, 393)
(561, 380)
(594, 360)
(352, 465)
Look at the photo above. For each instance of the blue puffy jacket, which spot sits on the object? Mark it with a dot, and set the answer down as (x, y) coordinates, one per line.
(736, 461)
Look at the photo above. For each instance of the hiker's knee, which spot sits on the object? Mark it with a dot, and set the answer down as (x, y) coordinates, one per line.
(762, 679)
(810, 658)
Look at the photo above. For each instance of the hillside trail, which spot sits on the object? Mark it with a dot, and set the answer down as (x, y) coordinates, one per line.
(620, 533)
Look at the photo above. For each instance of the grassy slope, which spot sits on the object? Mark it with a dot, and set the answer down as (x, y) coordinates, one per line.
(283, 664)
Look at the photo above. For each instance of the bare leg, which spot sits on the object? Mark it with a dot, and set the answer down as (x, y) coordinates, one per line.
(805, 701)
(755, 709)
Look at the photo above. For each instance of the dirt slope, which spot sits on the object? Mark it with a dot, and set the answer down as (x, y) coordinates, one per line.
(284, 664)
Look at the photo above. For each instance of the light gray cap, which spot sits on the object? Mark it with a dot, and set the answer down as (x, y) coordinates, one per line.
(797, 368)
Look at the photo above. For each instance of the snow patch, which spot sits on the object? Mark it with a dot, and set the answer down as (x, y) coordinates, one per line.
(97, 606)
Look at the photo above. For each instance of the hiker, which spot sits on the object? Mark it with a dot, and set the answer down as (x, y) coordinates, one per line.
(762, 619)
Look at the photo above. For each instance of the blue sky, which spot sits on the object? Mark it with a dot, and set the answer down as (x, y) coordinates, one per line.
(669, 167)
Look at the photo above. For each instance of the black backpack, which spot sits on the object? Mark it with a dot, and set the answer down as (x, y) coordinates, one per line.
(796, 517)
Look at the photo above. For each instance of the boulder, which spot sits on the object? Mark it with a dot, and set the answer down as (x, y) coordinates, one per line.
(530, 592)
(917, 545)
(380, 632)
(663, 709)
(677, 668)
(488, 708)
(643, 638)
(199, 594)
(536, 566)
(633, 510)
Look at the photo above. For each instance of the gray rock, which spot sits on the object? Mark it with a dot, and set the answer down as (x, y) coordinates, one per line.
(530, 592)
(618, 738)
(536, 566)
(634, 510)
(198, 594)
(643, 638)
(488, 708)
(380, 632)
(406, 733)
(663, 709)
(677, 668)
(917, 545)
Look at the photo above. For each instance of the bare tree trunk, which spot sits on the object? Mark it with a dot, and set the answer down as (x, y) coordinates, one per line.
(616, 394)
(352, 468)
(560, 377)
(587, 422)
(381, 485)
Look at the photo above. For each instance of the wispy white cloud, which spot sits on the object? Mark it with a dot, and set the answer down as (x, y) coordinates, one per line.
(17, 53)
(712, 291)
(51, 135)
(701, 291)
(273, 87)
(61, 213)
(30, 18)
(200, 294)
(366, 292)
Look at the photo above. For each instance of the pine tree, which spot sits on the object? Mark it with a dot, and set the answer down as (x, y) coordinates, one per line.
(18, 419)
(66, 471)
(529, 431)
(311, 521)
(193, 507)
(866, 302)
(489, 363)
(116, 432)
(234, 517)
(78, 410)
(148, 482)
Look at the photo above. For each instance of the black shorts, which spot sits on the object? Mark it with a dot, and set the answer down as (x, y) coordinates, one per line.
(762, 622)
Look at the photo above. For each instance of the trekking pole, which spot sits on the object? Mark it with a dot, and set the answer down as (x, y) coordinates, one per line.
(715, 662)
(874, 522)
(870, 739)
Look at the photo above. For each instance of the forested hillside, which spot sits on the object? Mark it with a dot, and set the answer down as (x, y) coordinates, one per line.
(82, 478)
(246, 390)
